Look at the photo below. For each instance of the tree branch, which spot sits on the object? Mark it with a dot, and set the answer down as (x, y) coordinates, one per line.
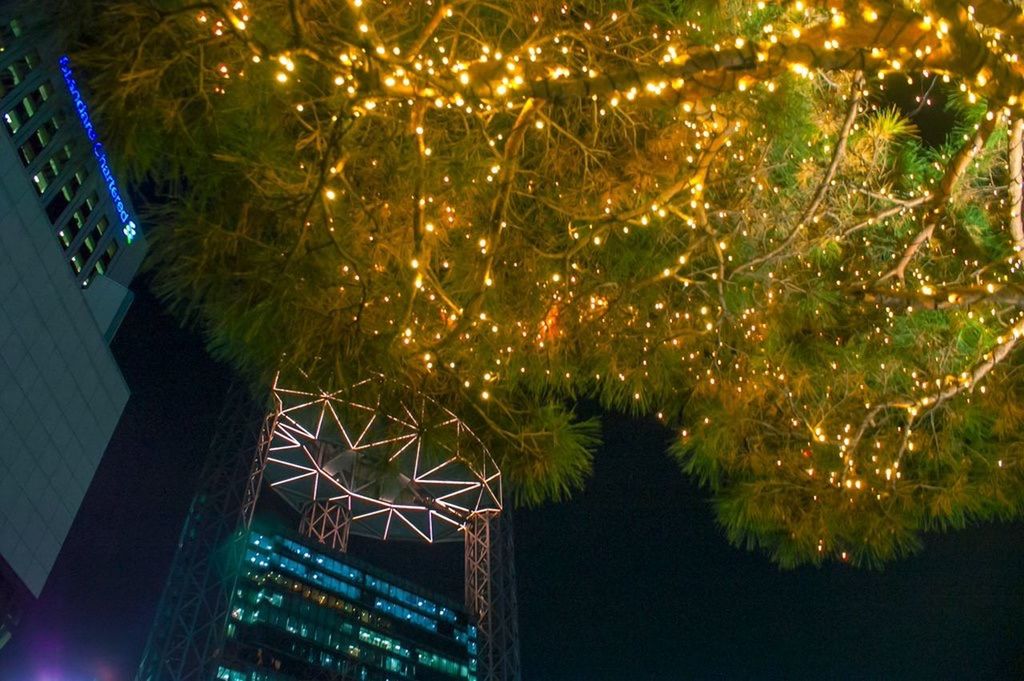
(496, 221)
(955, 171)
(1016, 159)
(826, 180)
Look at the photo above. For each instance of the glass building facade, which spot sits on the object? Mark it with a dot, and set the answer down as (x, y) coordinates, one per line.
(300, 611)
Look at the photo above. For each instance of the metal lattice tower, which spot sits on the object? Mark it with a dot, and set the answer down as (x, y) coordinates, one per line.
(189, 630)
(491, 595)
(312, 449)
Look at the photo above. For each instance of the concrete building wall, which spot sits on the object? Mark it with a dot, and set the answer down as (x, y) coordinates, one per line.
(63, 278)
(61, 392)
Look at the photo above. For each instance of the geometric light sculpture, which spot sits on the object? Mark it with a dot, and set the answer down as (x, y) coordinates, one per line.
(413, 470)
(407, 469)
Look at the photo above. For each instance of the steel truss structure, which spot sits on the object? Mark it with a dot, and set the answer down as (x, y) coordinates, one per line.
(328, 522)
(405, 469)
(187, 638)
(491, 595)
(348, 465)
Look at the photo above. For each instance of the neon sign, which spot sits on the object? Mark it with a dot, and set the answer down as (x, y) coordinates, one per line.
(128, 227)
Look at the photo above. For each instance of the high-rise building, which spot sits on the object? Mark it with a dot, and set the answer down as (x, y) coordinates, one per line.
(69, 247)
(302, 611)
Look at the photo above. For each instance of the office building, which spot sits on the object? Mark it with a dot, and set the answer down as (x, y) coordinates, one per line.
(69, 247)
(302, 611)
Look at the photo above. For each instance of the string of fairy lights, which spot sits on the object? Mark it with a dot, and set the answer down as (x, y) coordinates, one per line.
(541, 256)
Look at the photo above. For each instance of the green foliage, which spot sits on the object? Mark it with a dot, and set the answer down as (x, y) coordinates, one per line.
(889, 125)
(911, 165)
(982, 239)
(716, 19)
(636, 208)
(786, 118)
(566, 444)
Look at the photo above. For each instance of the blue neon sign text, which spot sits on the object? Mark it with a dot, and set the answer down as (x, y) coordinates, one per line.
(128, 227)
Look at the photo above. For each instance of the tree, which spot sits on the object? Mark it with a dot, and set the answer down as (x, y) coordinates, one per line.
(708, 212)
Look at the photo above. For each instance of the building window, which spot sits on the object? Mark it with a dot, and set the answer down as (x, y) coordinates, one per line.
(88, 246)
(73, 227)
(9, 32)
(77, 221)
(15, 73)
(42, 180)
(36, 142)
(103, 263)
(49, 171)
(100, 228)
(60, 202)
(27, 107)
(63, 198)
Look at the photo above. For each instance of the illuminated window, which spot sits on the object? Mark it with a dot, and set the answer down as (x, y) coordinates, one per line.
(49, 171)
(76, 223)
(60, 201)
(87, 247)
(41, 181)
(35, 144)
(102, 264)
(27, 108)
(63, 198)
(100, 228)
(10, 31)
(16, 72)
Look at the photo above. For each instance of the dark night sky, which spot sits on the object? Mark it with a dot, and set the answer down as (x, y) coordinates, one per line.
(632, 580)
